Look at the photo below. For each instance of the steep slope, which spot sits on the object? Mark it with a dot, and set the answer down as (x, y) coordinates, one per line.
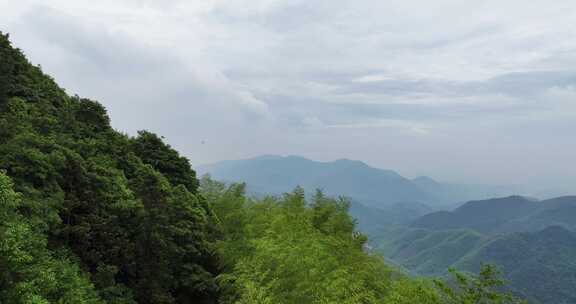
(123, 210)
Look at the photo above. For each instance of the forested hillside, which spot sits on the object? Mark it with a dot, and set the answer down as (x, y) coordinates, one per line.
(533, 241)
(121, 214)
(90, 215)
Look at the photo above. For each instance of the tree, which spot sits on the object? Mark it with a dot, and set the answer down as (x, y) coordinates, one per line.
(30, 272)
(153, 151)
(486, 288)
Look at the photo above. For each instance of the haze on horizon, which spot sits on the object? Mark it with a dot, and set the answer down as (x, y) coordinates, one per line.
(469, 92)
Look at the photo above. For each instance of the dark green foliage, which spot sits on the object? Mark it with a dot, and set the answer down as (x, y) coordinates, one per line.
(124, 210)
(6, 68)
(30, 272)
(172, 238)
(153, 151)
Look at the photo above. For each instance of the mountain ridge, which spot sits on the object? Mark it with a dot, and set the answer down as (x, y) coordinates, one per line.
(506, 214)
(371, 186)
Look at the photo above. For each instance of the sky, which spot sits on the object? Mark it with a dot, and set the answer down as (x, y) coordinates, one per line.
(464, 91)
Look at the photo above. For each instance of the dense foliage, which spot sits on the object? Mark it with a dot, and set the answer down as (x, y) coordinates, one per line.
(90, 215)
(285, 250)
(124, 209)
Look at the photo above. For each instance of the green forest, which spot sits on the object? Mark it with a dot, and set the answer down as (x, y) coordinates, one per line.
(91, 215)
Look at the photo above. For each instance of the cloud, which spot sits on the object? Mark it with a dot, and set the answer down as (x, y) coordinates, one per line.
(412, 127)
(137, 73)
(373, 78)
(294, 76)
(253, 104)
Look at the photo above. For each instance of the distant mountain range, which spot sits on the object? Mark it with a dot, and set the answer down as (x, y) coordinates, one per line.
(509, 214)
(368, 185)
(533, 242)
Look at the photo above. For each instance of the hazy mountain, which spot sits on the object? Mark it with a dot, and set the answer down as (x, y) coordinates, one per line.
(553, 212)
(537, 265)
(368, 185)
(508, 214)
(371, 220)
(483, 216)
(533, 242)
(277, 174)
(449, 192)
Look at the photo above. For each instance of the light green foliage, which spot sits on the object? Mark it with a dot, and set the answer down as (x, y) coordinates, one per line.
(483, 289)
(30, 272)
(405, 291)
(460, 289)
(288, 250)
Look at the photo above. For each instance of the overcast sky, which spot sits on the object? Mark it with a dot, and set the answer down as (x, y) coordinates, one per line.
(466, 91)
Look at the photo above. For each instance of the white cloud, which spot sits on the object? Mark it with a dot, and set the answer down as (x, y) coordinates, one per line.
(253, 104)
(373, 78)
(404, 125)
(254, 75)
(313, 122)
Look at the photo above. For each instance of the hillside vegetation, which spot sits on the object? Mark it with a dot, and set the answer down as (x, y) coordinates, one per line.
(532, 241)
(90, 215)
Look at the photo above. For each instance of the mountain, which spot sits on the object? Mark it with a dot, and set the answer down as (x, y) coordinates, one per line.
(448, 192)
(482, 216)
(371, 186)
(372, 220)
(277, 174)
(423, 251)
(508, 214)
(539, 265)
(533, 242)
